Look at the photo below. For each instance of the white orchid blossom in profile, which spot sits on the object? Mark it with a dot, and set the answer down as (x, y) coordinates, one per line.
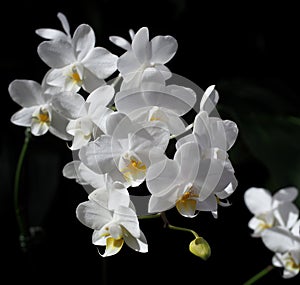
(270, 211)
(113, 220)
(75, 61)
(125, 149)
(37, 111)
(154, 101)
(143, 54)
(286, 245)
(87, 117)
(214, 135)
(188, 182)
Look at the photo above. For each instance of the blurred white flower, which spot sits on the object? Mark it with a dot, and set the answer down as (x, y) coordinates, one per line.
(270, 211)
(286, 245)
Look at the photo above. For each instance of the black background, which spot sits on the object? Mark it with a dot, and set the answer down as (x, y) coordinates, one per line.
(245, 49)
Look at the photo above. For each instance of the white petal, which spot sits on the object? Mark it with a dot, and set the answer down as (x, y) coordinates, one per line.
(93, 215)
(231, 131)
(100, 155)
(164, 71)
(141, 46)
(258, 200)
(101, 62)
(296, 229)
(128, 219)
(159, 204)
(287, 214)
(24, 116)
(118, 196)
(154, 135)
(91, 177)
(188, 157)
(58, 126)
(128, 65)
(131, 241)
(211, 177)
(102, 96)
(91, 81)
(209, 99)
(120, 42)
(161, 176)
(26, 93)
(119, 126)
(71, 105)
(163, 49)
(64, 22)
(79, 140)
(98, 238)
(277, 239)
(83, 41)
(51, 34)
(39, 128)
(70, 170)
(56, 54)
(288, 194)
(143, 246)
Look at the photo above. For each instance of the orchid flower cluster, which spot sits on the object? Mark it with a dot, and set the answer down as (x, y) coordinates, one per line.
(276, 222)
(120, 128)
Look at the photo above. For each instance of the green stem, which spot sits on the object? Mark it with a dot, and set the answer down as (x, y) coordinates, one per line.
(183, 229)
(167, 224)
(259, 275)
(24, 233)
(149, 216)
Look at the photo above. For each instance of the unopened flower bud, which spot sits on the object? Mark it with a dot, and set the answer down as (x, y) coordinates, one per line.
(200, 247)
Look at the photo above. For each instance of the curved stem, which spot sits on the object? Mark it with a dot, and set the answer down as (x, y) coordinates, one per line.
(167, 224)
(259, 275)
(146, 217)
(24, 233)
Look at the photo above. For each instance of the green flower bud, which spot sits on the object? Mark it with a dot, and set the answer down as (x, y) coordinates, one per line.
(200, 247)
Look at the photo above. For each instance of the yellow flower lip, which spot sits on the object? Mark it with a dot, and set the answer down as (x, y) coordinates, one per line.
(186, 204)
(43, 116)
(75, 76)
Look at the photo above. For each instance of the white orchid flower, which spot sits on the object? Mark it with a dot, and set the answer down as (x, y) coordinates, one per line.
(112, 225)
(156, 102)
(87, 117)
(286, 245)
(188, 182)
(76, 62)
(214, 135)
(37, 112)
(127, 149)
(143, 54)
(270, 211)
